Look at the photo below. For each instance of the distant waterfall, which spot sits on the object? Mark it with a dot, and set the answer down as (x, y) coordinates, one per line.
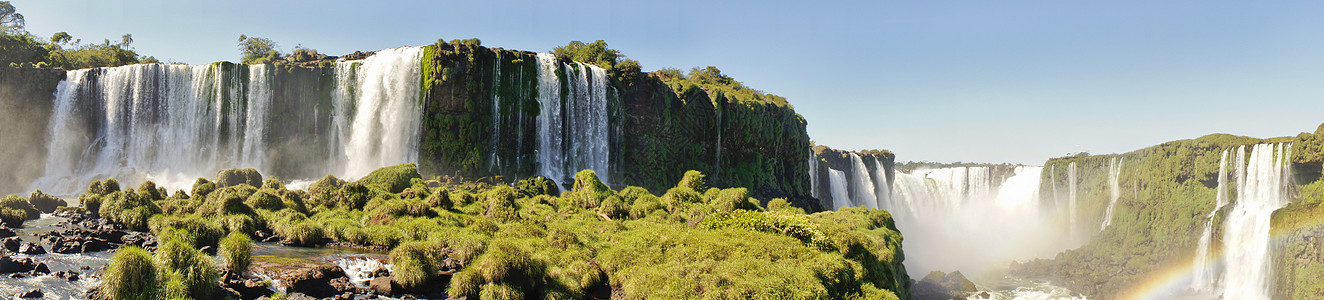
(863, 192)
(840, 197)
(175, 123)
(572, 127)
(968, 219)
(1204, 277)
(1071, 201)
(813, 174)
(1261, 188)
(1114, 170)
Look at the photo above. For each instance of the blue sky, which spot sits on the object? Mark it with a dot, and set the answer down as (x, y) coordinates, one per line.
(985, 81)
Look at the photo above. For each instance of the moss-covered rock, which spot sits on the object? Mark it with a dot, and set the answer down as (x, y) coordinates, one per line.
(395, 178)
(232, 177)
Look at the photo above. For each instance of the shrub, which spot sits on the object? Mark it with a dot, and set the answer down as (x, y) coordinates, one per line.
(104, 187)
(504, 262)
(327, 184)
(645, 206)
(678, 198)
(273, 183)
(632, 193)
(534, 186)
(246, 224)
(187, 272)
(129, 209)
(194, 230)
(130, 275)
(302, 233)
(353, 195)
(613, 208)
(203, 187)
(265, 199)
(415, 265)
(693, 180)
(91, 202)
(14, 210)
(235, 252)
(229, 200)
(13, 217)
(148, 191)
(501, 204)
(233, 177)
(45, 202)
(588, 190)
(780, 204)
(441, 198)
(732, 199)
(394, 178)
(796, 226)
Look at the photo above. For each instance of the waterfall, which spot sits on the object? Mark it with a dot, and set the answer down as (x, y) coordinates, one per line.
(494, 159)
(572, 127)
(259, 98)
(840, 196)
(813, 174)
(175, 123)
(1261, 189)
(883, 190)
(388, 112)
(1071, 201)
(863, 188)
(961, 222)
(1204, 278)
(1114, 170)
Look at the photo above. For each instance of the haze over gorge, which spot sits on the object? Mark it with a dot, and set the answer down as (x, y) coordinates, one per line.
(462, 170)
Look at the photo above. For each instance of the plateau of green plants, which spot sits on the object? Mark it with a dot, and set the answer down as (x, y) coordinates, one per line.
(526, 240)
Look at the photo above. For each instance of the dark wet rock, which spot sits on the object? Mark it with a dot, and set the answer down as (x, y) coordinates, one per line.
(45, 202)
(31, 248)
(9, 264)
(41, 268)
(66, 275)
(299, 296)
(18, 275)
(384, 286)
(316, 280)
(36, 293)
(11, 244)
(244, 288)
(140, 239)
(6, 232)
(939, 285)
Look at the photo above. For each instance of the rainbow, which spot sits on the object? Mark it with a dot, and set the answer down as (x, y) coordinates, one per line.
(1175, 279)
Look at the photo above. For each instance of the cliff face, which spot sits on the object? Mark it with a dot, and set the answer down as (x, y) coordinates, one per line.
(480, 118)
(25, 111)
(1166, 193)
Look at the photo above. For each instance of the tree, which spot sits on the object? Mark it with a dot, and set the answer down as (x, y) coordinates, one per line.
(11, 22)
(61, 38)
(256, 50)
(595, 53)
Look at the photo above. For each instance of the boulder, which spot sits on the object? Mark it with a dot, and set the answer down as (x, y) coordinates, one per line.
(31, 248)
(66, 275)
(45, 202)
(384, 286)
(6, 232)
(9, 264)
(36, 293)
(244, 288)
(12, 244)
(316, 281)
(41, 268)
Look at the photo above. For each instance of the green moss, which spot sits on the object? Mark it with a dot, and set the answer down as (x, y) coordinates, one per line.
(232, 177)
(196, 231)
(395, 178)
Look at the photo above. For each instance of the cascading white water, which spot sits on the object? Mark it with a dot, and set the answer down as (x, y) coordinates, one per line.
(954, 216)
(551, 157)
(883, 189)
(1114, 171)
(1071, 202)
(255, 127)
(387, 111)
(578, 139)
(863, 192)
(494, 160)
(1261, 189)
(813, 174)
(1204, 276)
(175, 123)
(840, 196)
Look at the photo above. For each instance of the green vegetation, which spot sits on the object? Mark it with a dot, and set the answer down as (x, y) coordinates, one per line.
(18, 47)
(130, 275)
(529, 242)
(15, 209)
(256, 50)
